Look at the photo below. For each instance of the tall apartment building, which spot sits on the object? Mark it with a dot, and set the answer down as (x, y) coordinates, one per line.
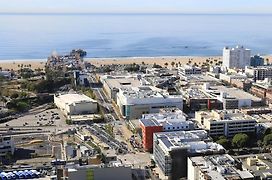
(6, 145)
(225, 122)
(238, 57)
(215, 167)
(171, 150)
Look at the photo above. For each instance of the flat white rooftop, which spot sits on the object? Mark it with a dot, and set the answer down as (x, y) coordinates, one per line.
(71, 98)
(219, 167)
(196, 141)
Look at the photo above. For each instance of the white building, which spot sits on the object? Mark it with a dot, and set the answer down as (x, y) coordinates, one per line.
(238, 57)
(189, 70)
(232, 98)
(6, 145)
(135, 101)
(215, 167)
(170, 121)
(75, 104)
(229, 77)
(171, 150)
(226, 122)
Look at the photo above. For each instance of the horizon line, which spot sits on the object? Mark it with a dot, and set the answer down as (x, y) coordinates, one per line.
(127, 13)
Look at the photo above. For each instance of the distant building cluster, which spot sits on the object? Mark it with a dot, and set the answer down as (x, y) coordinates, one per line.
(72, 61)
(189, 121)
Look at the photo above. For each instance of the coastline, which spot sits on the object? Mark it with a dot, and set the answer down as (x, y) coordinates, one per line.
(160, 60)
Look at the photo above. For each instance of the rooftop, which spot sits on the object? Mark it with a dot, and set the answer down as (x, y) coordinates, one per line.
(219, 167)
(195, 92)
(145, 92)
(225, 115)
(71, 98)
(118, 82)
(167, 118)
(196, 141)
(232, 93)
(201, 78)
(258, 164)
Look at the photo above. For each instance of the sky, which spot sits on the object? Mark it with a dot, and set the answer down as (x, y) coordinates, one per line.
(136, 6)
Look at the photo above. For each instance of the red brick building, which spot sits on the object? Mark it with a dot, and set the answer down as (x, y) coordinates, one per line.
(148, 129)
(262, 91)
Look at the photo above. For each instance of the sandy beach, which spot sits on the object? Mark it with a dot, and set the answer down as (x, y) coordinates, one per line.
(17, 64)
(39, 63)
(151, 60)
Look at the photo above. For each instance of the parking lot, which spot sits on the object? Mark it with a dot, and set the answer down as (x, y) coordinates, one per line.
(50, 120)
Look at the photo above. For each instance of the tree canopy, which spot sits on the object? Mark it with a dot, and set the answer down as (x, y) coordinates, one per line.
(267, 139)
(224, 142)
(240, 140)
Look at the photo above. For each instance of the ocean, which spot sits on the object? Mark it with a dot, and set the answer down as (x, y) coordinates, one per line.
(34, 36)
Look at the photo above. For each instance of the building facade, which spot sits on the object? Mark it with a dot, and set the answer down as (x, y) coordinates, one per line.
(256, 60)
(260, 72)
(225, 122)
(263, 89)
(238, 57)
(75, 104)
(215, 167)
(6, 145)
(171, 150)
(135, 101)
(162, 122)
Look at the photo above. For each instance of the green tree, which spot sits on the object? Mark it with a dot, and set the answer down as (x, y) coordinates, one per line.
(224, 142)
(173, 63)
(240, 140)
(22, 106)
(267, 139)
(267, 131)
(166, 64)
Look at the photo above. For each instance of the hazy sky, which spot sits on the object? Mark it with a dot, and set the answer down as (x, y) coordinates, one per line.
(138, 6)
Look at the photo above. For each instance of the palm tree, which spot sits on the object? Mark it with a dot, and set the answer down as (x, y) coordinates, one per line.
(166, 64)
(267, 61)
(173, 63)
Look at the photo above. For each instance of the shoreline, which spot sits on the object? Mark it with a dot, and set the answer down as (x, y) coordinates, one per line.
(160, 60)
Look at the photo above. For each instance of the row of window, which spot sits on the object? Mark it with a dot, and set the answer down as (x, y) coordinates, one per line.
(173, 128)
